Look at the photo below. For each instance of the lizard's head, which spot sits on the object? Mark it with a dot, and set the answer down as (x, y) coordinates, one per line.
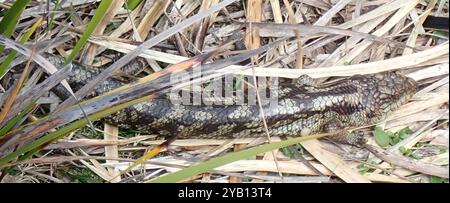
(394, 88)
(386, 92)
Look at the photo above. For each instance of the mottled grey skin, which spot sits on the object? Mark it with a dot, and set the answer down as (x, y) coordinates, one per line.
(303, 108)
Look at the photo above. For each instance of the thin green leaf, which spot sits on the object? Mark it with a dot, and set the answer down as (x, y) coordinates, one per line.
(67, 129)
(8, 23)
(5, 65)
(436, 179)
(99, 14)
(228, 158)
(441, 33)
(52, 16)
(132, 4)
(11, 123)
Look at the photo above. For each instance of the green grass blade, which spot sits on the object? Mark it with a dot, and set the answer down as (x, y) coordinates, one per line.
(52, 16)
(8, 23)
(228, 158)
(4, 66)
(99, 14)
(11, 123)
(132, 4)
(67, 129)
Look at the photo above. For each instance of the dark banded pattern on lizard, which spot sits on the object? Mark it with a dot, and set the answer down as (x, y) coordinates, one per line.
(303, 108)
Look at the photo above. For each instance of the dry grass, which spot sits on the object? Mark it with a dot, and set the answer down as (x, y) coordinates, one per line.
(323, 55)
